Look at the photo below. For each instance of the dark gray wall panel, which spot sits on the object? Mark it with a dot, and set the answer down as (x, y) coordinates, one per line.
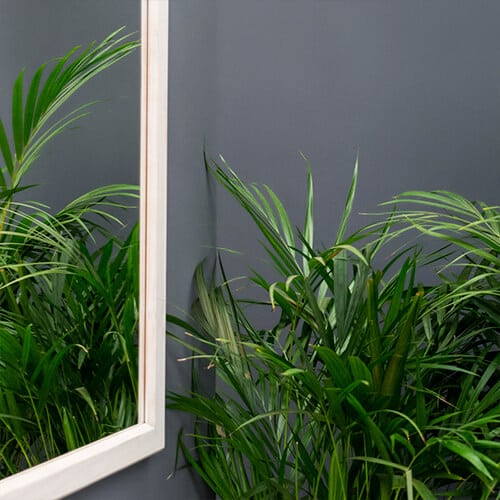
(413, 85)
(102, 148)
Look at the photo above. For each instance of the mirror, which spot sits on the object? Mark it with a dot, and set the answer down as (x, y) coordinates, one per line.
(83, 465)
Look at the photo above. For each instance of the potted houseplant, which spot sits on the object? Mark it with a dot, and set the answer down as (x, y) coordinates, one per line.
(368, 384)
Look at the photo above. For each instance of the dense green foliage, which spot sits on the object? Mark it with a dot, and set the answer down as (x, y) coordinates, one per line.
(68, 286)
(367, 384)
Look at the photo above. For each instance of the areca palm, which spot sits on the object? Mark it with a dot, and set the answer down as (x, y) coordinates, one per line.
(68, 304)
(368, 385)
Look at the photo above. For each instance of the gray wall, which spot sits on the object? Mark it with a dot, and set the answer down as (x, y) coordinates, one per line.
(102, 148)
(414, 85)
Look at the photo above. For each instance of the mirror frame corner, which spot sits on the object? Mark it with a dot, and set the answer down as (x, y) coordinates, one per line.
(84, 466)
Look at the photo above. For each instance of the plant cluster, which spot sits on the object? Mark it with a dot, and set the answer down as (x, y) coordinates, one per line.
(367, 385)
(68, 286)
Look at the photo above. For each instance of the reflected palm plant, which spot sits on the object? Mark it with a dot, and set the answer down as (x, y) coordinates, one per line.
(367, 385)
(68, 285)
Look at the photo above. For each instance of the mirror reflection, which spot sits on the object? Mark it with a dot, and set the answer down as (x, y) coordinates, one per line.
(69, 143)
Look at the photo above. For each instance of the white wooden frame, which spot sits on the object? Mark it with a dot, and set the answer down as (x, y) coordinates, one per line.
(74, 470)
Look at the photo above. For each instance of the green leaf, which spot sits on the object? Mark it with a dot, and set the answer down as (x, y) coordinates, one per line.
(308, 234)
(29, 109)
(84, 393)
(27, 342)
(336, 367)
(286, 227)
(7, 156)
(467, 453)
(422, 490)
(360, 371)
(68, 428)
(17, 116)
(341, 294)
(348, 205)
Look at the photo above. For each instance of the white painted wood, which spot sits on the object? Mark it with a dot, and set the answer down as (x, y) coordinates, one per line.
(72, 471)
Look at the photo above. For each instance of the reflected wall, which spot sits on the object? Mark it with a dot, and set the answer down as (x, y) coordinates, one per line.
(103, 148)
